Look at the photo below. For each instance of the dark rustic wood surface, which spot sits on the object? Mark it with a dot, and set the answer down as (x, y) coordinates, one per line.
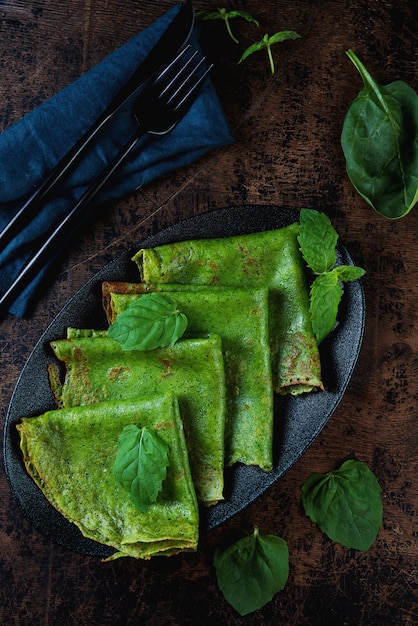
(286, 152)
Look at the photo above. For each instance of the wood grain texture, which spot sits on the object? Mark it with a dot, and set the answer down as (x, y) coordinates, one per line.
(286, 152)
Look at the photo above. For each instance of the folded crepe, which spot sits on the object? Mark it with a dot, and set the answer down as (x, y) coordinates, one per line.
(240, 317)
(269, 259)
(98, 370)
(70, 453)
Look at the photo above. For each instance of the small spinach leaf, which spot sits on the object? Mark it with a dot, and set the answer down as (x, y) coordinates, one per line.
(252, 570)
(266, 43)
(141, 465)
(317, 239)
(325, 297)
(150, 322)
(349, 272)
(380, 144)
(346, 504)
(223, 14)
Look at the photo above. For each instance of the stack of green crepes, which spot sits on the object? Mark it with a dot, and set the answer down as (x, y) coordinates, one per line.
(248, 335)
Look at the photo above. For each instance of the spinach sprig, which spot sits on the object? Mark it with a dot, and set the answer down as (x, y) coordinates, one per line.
(318, 239)
(380, 144)
(226, 16)
(266, 44)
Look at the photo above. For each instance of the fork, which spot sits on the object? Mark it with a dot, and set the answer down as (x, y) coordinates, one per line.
(160, 106)
(171, 41)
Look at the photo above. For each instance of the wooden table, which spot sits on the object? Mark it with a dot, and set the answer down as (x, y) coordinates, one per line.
(287, 152)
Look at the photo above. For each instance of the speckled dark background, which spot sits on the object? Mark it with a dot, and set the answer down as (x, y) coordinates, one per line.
(286, 152)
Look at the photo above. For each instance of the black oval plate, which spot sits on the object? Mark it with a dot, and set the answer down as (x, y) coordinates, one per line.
(299, 419)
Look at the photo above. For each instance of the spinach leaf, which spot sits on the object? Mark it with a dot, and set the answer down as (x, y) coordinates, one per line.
(141, 465)
(150, 322)
(380, 144)
(318, 239)
(325, 296)
(346, 504)
(223, 14)
(266, 43)
(250, 571)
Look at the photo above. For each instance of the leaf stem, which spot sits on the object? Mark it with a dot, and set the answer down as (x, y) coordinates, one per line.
(228, 28)
(270, 56)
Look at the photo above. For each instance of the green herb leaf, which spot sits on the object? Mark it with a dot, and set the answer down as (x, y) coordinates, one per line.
(150, 322)
(223, 14)
(380, 144)
(252, 570)
(346, 504)
(325, 297)
(346, 273)
(141, 465)
(267, 42)
(317, 239)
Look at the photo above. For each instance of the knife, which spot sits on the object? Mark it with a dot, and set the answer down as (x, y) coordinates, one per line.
(174, 37)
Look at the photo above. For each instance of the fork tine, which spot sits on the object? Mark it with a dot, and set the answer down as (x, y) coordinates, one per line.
(161, 75)
(172, 92)
(170, 79)
(186, 97)
(185, 77)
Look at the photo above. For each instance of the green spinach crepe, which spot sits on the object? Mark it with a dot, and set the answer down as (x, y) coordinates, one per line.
(70, 453)
(240, 317)
(97, 370)
(269, 259)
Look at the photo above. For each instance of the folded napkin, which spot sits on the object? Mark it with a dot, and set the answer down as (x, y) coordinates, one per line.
(30, 148)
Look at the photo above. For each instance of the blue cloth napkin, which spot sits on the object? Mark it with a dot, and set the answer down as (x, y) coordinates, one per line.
(31, 147)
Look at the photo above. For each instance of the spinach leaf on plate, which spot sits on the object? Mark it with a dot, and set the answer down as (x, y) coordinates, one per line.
(318, 239)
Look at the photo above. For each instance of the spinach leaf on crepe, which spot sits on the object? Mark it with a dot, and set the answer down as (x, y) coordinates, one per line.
(153, 322)
(141, 464)
(97, 369)
(70, 455)
(240, 317)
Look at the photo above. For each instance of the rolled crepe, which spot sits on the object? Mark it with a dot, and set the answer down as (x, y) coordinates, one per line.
(240, 317)
(70, 453)
(269, 259)
(97, 370)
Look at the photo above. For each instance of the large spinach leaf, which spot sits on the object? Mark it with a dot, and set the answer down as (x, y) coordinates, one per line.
(346, 504)
(252, 570)
(380, 144)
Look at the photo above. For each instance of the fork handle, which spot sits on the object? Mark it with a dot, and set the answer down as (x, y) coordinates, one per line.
(35, 263)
